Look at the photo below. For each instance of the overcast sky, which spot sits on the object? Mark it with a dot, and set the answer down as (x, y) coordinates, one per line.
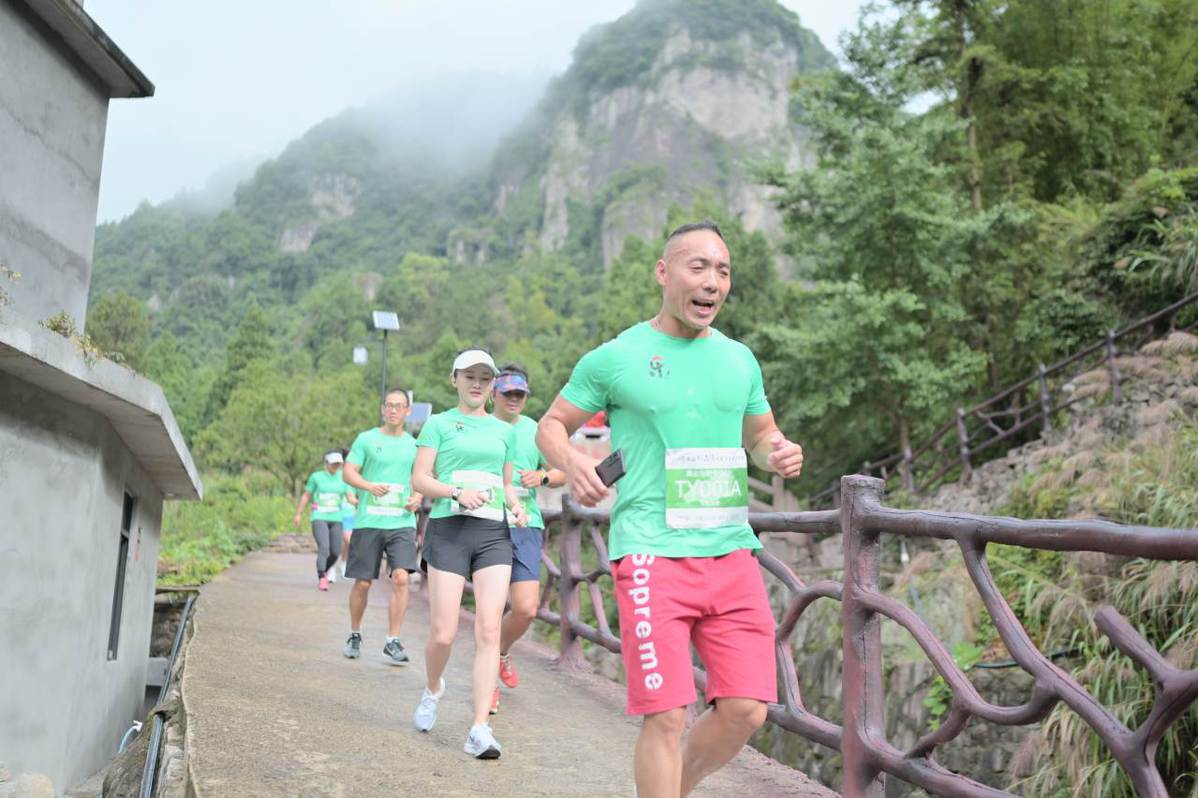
(237, 79)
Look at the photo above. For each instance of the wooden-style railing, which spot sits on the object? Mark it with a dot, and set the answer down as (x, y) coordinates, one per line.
(1014, 415)
(863, 521)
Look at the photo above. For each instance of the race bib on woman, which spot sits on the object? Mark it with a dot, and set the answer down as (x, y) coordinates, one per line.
(706, 488)
(490, 485)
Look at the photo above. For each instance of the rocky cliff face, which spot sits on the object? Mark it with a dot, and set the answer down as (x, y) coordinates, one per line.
(702, 125)
(699, 113)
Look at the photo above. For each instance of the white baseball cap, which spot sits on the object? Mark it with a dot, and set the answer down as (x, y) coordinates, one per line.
(474, 357)
(333, 457)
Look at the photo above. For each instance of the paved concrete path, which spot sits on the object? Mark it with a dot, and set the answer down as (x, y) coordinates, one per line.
(275, 709)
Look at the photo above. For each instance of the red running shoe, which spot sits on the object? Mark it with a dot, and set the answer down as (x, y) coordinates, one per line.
(507, 672)
(324, 583)
(495, 702)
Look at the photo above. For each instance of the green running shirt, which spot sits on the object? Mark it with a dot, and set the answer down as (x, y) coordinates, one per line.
(681, 400)
(528, 457)
(386, 459)
(327, 491)
(468, 444)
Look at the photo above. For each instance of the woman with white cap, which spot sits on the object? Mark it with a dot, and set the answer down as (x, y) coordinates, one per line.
(325, 489)
(464, 464)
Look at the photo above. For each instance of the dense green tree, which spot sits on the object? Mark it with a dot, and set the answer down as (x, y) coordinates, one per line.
(186, 386)
(1056, 98)
(631, 293)
(118, 323)
(279, 422)
(252, 343)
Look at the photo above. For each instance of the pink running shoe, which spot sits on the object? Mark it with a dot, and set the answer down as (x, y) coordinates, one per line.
(495, 702)
(324, 583)
(507, 672)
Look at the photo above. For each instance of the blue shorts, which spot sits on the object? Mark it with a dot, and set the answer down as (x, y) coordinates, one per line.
(526, 554)
(347, 523)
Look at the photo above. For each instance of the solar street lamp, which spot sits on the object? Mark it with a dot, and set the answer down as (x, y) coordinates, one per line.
(386, 321)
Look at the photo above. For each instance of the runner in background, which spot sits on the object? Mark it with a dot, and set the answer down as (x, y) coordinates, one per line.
(511, 395)
(464, 464)
(325, 489)
(379, 466)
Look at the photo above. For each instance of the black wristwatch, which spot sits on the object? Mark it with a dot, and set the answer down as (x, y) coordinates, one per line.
(455, 494)
(545, 480)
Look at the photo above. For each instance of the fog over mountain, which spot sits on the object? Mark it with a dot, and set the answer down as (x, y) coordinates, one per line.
(236, 82)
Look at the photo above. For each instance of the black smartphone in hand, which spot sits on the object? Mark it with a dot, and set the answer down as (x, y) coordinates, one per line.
(612, 468)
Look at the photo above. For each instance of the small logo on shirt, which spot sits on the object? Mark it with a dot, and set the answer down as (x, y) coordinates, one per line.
(460, 427)
(657, 367)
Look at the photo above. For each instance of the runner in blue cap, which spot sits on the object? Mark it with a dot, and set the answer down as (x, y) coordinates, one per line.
(531, 472)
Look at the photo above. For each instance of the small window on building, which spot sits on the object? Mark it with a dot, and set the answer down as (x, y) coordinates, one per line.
(118, 592)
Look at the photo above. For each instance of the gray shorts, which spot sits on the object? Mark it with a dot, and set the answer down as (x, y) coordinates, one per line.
(368, 545)
(463, 544)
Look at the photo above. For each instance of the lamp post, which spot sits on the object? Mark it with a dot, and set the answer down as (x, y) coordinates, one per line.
(385, 321)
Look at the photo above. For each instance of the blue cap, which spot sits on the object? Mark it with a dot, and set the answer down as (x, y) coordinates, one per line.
(510, 381)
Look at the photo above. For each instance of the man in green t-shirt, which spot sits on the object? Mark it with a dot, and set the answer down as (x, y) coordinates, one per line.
(684, 402)
(380, 467)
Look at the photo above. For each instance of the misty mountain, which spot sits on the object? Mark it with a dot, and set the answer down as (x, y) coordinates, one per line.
(675, 101)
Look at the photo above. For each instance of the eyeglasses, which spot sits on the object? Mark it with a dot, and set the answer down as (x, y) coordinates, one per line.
(514, 394)
(393, 406)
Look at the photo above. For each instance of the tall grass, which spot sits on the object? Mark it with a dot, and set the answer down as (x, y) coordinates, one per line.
(1153, 483)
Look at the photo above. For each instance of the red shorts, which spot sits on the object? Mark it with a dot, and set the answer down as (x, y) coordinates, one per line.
(717, 603)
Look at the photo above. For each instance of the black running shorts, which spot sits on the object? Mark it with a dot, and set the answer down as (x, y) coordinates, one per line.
(463, 544)
(367, 546)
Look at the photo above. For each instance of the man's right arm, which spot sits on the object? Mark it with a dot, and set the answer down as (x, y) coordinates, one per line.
(351, 474)
(553, 439)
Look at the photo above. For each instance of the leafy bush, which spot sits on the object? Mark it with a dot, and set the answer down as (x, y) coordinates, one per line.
(201, 539)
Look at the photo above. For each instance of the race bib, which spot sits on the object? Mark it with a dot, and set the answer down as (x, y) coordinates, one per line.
(489, 484)
(328, 502)
(391, 503)
(527, 498)
(706, 488)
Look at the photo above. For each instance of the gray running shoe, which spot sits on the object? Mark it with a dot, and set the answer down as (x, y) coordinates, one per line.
(394, 653)
(353, 646)
(426, 712)
(481, 743)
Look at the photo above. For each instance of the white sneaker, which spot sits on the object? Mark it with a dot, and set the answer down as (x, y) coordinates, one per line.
(481, 743)
(332, 574)
(426, 711)
(341, 567)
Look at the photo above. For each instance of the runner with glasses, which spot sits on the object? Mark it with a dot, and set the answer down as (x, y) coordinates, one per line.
(380, 467)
